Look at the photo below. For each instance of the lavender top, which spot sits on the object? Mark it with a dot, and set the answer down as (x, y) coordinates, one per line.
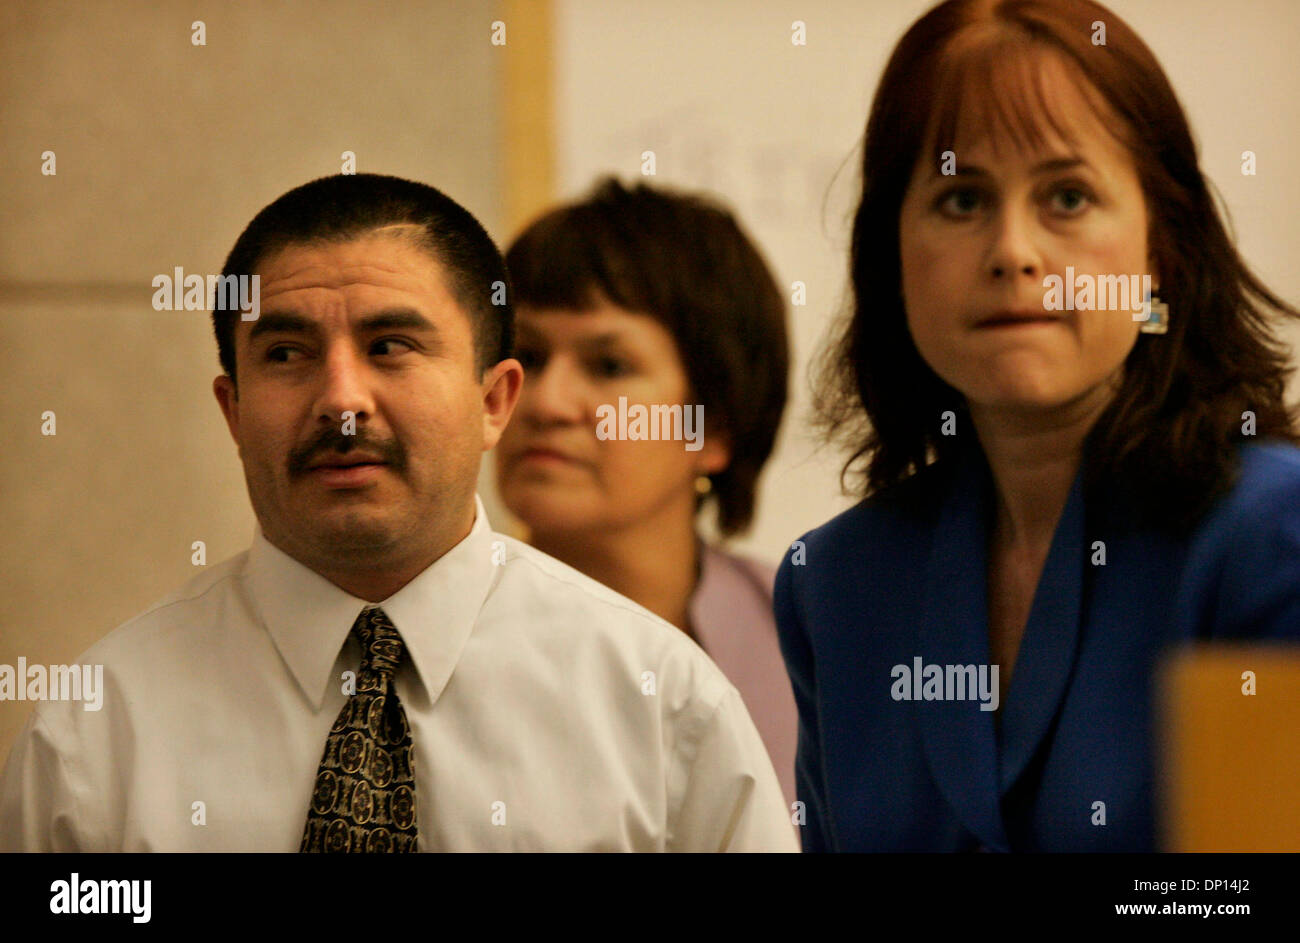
(731, 617)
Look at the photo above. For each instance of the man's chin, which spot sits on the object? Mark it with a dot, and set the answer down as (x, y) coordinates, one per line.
(358, 536)
(340, 532)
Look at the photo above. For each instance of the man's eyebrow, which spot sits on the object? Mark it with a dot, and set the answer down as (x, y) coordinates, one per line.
(282, 322)
(279, 322)
(396, 319)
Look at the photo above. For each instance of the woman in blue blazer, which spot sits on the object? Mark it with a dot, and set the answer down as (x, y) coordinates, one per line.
(1065, 473)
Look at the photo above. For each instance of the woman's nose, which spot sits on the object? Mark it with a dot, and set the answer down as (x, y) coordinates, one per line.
(554, 392)
(1013, 250)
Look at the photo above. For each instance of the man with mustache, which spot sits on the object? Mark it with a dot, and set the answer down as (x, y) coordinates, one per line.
(380, 671)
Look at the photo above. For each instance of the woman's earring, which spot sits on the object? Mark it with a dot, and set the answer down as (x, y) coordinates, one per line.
(703, 484)
(1157, 315)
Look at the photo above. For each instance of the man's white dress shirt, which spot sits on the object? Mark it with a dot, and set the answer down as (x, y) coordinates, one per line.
(548, 713)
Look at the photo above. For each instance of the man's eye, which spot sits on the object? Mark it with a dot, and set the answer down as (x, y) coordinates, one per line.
(383, 347)
(960, 201)
(282, 354)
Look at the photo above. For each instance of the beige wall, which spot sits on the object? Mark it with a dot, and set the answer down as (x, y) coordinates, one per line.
(164, 152)
(728, 104)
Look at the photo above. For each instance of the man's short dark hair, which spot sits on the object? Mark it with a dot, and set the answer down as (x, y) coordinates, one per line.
(347, 206)
(683, 260)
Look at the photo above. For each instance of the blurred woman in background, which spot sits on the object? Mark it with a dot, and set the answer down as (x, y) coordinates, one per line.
(642, 299)
(1055, 492)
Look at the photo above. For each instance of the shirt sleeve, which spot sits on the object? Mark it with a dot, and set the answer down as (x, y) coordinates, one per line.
(38, 806)
(732, 800)
(797, 651)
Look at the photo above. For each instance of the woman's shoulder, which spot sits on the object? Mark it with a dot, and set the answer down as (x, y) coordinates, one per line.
(733, 599)
(1265, 492)
(893, 513)
(1268, 468)
(1245, 555)
(723, 569)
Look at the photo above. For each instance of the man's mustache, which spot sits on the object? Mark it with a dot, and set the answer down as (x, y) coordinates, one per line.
(333, 441)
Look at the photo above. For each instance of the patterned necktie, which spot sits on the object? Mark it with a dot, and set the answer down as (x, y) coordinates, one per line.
(365, 790)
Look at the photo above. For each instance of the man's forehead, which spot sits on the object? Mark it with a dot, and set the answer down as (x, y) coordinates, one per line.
(362, 280)
(385, 258)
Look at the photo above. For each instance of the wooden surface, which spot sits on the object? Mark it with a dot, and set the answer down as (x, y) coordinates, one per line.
(1232, 760)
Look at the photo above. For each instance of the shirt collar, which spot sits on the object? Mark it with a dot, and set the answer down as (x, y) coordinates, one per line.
(309, 618)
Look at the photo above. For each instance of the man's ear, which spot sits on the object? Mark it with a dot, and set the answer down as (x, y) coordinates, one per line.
(228, 399)
(501, 385)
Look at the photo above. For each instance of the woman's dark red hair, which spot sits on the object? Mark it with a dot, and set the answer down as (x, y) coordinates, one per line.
(1174, 426)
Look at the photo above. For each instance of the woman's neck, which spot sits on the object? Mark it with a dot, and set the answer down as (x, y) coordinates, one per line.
(1034, 458)
(653, 562)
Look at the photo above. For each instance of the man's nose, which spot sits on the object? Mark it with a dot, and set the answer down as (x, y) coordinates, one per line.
(345, 388)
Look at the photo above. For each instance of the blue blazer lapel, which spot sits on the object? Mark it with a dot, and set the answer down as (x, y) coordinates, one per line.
(1049, 645)
(959, 738)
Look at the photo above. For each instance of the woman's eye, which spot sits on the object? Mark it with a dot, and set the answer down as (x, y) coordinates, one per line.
(530, 359)
(960, 201)
(1076, 199)
(610, 367)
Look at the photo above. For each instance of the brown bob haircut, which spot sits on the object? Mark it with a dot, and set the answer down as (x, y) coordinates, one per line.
(683, 260)
(1173, 429)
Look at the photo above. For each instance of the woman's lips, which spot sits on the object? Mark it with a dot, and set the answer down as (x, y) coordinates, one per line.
(547, 457)
(1000, 323)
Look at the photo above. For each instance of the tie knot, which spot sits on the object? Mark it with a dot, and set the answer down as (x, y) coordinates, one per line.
(381, 645)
